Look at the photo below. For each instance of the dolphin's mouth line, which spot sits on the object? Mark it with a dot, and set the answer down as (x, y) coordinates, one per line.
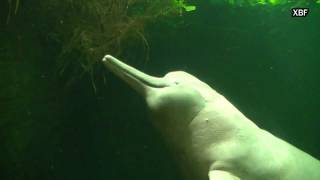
(141, 82)
(145, 82)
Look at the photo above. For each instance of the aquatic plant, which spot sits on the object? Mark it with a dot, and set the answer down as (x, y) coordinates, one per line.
(259, 2)
(10, 8)
(90, 29)
(86, 30)
(183, 5)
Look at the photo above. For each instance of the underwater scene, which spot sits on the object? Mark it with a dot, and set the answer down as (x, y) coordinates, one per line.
(160, 89)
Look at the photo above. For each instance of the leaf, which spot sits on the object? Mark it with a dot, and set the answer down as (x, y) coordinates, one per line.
(189, 8)
(17, 6)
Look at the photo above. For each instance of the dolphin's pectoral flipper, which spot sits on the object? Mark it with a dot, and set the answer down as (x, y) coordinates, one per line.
(221, 175)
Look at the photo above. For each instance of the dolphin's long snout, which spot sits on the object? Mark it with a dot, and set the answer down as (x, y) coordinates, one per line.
(141, 82)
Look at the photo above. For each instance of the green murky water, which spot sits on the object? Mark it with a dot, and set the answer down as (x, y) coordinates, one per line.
(77, 121)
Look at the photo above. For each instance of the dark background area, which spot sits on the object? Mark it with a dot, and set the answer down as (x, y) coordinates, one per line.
(263, 60)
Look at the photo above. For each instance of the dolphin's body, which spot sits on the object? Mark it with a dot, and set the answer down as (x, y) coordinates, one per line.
(214, 139)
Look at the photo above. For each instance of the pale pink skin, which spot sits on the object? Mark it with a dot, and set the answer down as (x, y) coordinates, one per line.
(213, 138)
